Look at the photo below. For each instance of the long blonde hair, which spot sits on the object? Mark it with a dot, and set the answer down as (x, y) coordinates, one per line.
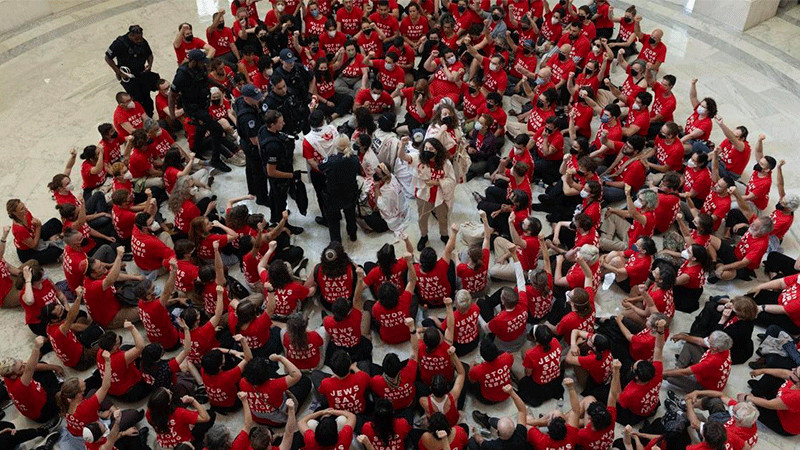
(343, 146)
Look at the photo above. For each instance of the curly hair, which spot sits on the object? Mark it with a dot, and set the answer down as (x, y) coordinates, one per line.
(180, 193)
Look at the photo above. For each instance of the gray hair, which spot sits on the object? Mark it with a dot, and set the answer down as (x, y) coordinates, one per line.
(791, 201)
(745, 414)
(589, 253)
(463, 300)
(150, 124)
(218, 437)
(761, 226)
(720, 341)
(180, 193)
(649, 198)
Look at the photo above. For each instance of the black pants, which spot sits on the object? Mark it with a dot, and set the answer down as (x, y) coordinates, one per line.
(765, 319)
(256, 178)
(334, 218)
(361, 352)
(687, 299)
(318, 181)
(278, 196)
(767, 387)
(136, 393)
(375, 222)
(546, 170)
(140, 87)
(51, 385)
(51, 253)
(342, 105)
(200, 429)
(204, 122)
(9, 440)
(535, 394)
(779, 264)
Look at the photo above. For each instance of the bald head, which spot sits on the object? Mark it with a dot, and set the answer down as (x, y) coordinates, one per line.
(505, 428)
(657, 34)
(545, 73)
(565, 49)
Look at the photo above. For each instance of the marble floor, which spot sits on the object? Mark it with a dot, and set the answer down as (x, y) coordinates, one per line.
(55, 88)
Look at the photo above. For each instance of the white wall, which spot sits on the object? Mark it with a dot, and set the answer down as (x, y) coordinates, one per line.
(16, 13)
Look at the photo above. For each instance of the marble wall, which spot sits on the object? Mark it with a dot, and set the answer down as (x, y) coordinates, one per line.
(17, 13)
(738, 14)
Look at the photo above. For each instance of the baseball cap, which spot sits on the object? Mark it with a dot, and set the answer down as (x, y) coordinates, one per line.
(250, 91)
(135, 29)
(287, 55)
(196, 55)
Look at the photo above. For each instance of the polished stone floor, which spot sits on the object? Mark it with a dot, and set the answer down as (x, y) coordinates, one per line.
(55, 88)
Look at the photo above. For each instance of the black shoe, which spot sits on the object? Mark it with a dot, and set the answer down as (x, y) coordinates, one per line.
(481, 419)
(680, 402)
(143, 433)
(219, 165)
(321, 221)
(294, 229)
(201, 395)
(713, 279)
(478, 197)
(50, 441)
(422, 242)
(538, 207)
(760, 363)
(353, 237)
(762, 336)
(302, 265)
(444, 238)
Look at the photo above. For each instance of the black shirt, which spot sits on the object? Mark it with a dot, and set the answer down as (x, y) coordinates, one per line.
(297, 80)
(340, 178)
(192, 84)
(294, 111)
(517, 441)
(248, 121)
(129, 54)
(276, 148)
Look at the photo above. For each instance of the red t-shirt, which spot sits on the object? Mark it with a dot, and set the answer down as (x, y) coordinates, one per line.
(204, 339)
(149, 253)
(663, 106)
(529, 256)
(180, 427)
(435, 362)
(642, 399)
(65, 346)
(414, 31)
(41, 297)
(544, 364)
(186, 275)
(389, 78)
(334, 288)
(222, 387)
(695, 122)
(788, 417)
(287, 298)
(433, 286)
(140, 163)
(220, 40)
(542, 441)
(735, 161)
(599, 369)
(91, 181)
(717, 206)
(102, 304)
(375, 106)
(123, 220)
(752, 248)
(396, 442)
(343, 443)
(123, 376)
(350, 21)
(187, 213)
(393, 329)
(346, 333)
(403, 394)
(348, 393)
(698, 180)
(466, 325)
(666, 211)
(85, 413)
(643, 344)
(157, 323)
(376, 277)
(29, 399)
(256, 333)
(591, 439)
(474, 280)
(748, 435)
(637, 267)
(305, 358)
(185, 47)
(759, 186)
(651, 53)
(491, 376)
(134, 116)
(713, 369)
(494, 80)
(508, 326)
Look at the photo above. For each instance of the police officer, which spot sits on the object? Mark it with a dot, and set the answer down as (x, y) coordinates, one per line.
(341, 189)
(285, 100)
(250, 119)
(191, 82)
(277, 153)
(134, 59)
(297, 77)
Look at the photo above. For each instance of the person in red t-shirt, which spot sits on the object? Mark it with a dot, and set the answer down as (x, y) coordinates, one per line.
(149, 253)
(616, 225)
(639, 399)
(347, 327)
(627, 168)
(598, 433)
(127, 384)
(699, 124)
(742, 260)
(543, 372)
(78, 410)
(32, 385)
(385, 432)
(653, 50)
(222, 40)
(375, 99)
(185, 41)
(397, 383)
(100, 294)
(631, 267)
(327, 435)
(487, 379)
(743, 415)
(175, 425)
(347, 388)
(664, 102)
(66, 344)
(267, 396)
(221, 384)
(710, 370)
(129, 115)
(392, 309)
(155, 312)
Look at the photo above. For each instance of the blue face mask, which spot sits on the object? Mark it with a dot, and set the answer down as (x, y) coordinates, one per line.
(315, 14)
(604, 119)
(635, 248)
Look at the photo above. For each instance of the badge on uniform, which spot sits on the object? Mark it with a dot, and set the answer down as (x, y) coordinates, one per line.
(251, 124)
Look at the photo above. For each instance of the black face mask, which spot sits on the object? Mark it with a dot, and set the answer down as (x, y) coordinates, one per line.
(634, 72)
(149, 141)
(627, 20)
(433, 42)
(496, 17)
(398, 43)
(368, 31)
(462, 9)
(188, 38)
(780, 207)
(490, 105)
(428, 155)
(581, 18)
(472, 90)
(450, 121)
(539, 104)
(562, 57)
(652, 41)
(757, 168)
(114, 136)
(662, 135)
(573, 151)
(588, 71)
(572, 38)
(221, 25)
(263, 38)
(376, 178)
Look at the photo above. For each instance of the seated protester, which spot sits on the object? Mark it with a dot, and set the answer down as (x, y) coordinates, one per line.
(375, 99)
(186, 207)
(347, 378)
(393, 308)
(757, 192)
(562, 65)
(776, 399)
(110, 141)
(127, 384)
(123, 213)
(718, 203)
(397, 382)
(175, 425)
(581, 313)
(349, 17)
(387, 269)
(733, 316)
(561, 198)
(68, 334)
(579, 124)
(630, 267)
(440, 435)
(634, 84)
(257, 438)
(370, 38)
(569, 236)
(533, 120)
(348, 329)
(35, 293)
(575, 275)
(627, 169)
(540, 289)
(444, 399)
(741, 261)
(667, 153)
(669, 200)
(702, 234)
(209, 278)
(778, 308)
(352, 73)
(698, 183)
(698, 126)
(561, 433)
(207, 243)
(473, 274)
(641, 212)
(434, 356)
(590, 356)
(175, 167)
(334, 276)
(331, 103)
(419, 105)
(639, 398)
(267, 396)
(715, 436)
(389, 73)
(508, 434)
(204, 337)
(75, 218)
(508, 327)
(384, 430)
(610, 124)
(32, 239)
(657, 297)
(639, 346)
(734, 151)
(321, 430)
(626, 36)
(246, 318)
(482, 148)
(589, 77)
(699, 369)
(141, 163)
(289, 294)
(549, 145)
(33, 385)
(171, 373)
(434, 276)
(543, 373)
(465, 321)
(105, 307)
(598, 433)
(448, 72)
(93, 175)
(743, 415)
(782, 216)
(509, 195)
(493, 106)
(128, 115)
(221, 371)
(487, 379)
(150, 253)
(691, 278)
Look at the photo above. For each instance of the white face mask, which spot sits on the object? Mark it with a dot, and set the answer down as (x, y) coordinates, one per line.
(701, 110)
(451, 60)
(554, 21)
(584, 194)
(492, 66)
(280, 8)
(68, 186)
(638, 204)
(636, 107)
(691, 164)
(596, 48)
(375, 96)
(194, 190)
(389, 67)
(269, 72)
(127, 176)
(478, 126)
(130, 105)
(685, 254)
(332, 33)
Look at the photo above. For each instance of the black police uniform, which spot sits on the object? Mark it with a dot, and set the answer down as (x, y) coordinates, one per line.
(341, 193)
(295, 112)
(297, 80)
(276, 148)
(250, 119)
(193, 86)
(134, 56)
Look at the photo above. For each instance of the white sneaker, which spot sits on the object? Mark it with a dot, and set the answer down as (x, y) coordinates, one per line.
(608, 280)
